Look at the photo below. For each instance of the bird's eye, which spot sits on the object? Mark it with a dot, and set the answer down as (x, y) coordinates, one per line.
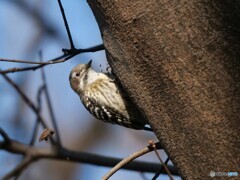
(77, 74)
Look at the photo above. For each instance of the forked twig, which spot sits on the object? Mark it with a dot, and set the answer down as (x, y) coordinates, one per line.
(151, 143)
(25, 98)
(66, 56)
(129, 159)
(35, 153)
(28, 102)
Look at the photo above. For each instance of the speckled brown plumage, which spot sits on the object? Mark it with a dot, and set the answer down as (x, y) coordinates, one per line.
(104, 99)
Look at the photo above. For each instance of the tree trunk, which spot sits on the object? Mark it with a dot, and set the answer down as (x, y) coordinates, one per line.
(179, 62)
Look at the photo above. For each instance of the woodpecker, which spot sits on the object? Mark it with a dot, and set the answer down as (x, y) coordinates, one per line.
(104, 98)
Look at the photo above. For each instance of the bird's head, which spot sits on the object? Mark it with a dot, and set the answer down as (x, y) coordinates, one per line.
(79, 76)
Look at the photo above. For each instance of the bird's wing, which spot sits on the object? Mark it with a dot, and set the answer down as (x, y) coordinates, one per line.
(104, 101)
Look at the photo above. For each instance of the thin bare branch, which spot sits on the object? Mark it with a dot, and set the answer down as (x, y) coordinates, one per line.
(25, 98)
(28, 102)
(24, 61)
(66, 24)
(128, 160)
(66, 56)
(39, 93)
(73, 156)
(39, 106)
(49, 104)
(19, 168)
(33, 68)
(35, 128)
(160, 159)
(160, 170)
(5, 136)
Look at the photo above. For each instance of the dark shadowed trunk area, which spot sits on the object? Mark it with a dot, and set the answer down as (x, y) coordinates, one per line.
(179, 62)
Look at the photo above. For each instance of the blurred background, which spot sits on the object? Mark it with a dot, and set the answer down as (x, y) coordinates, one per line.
(26, 27)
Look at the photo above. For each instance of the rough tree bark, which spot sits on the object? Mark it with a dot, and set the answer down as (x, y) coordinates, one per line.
(179, 62)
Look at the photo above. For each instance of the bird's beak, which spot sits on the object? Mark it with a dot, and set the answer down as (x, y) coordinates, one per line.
(89, 64)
